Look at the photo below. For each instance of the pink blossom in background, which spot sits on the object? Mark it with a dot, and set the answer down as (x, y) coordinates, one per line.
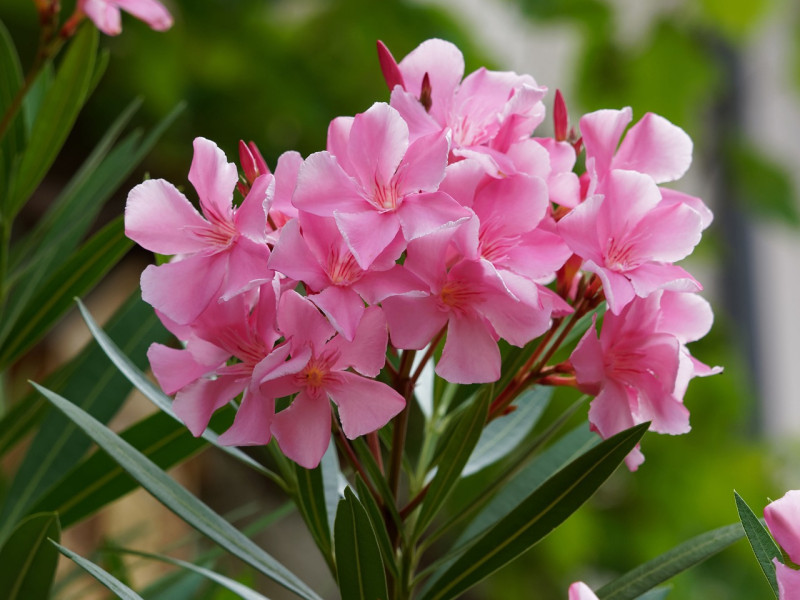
(218, 254)
(375, 183)
(629, 239)
(105, 14)
(303, 429)
(581, 591)
(783, 520)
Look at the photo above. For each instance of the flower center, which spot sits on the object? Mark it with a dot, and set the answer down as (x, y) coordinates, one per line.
(342, 267)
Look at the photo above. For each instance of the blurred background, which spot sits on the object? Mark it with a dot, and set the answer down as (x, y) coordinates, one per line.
(727, 71)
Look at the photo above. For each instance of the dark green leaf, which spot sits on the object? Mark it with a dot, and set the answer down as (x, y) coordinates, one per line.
(178, 500)
(377, 478)
(55, 118)
(655, 572)
(764, 547)
(311, 500)
(99, 480)
(10, 82)
(58, 445)
(156, 396)
(20, 419)
(455, 455)
(378, 525)
(541, 512)
(762, 185)
(28, 561)
(115, 585)
(502, 435)
(358, 558)
(79, 274)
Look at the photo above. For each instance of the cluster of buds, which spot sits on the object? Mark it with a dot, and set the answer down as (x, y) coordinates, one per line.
(436, 219)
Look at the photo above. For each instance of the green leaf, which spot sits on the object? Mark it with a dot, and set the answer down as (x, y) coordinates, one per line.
(108, 580)
(28, 561)
(502, 435)
(377, 479)
(358, 558)
(454, 457)
(378, 525)
(763, 186)
(655, 572)
(133, 374)
(312, 500)
(58, 445)
(541, 512)
(656, 594)
(10, 83)
(178, 500)
(98, 480)
(77, 276)
(19, 420)
(229, 584)
(764, 547)
(55, 118)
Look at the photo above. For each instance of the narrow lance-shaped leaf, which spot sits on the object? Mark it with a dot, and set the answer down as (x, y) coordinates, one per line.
(455, 455)
(358, 558)
(55, 117)
(157, 397)
(107, 579)
(378, 525)
(655, 572)
(28, 561)
(10, 83)
(58, 445)
(312, 502)
(764, 547)
(178, 500)
(77, 276)
(541, 512)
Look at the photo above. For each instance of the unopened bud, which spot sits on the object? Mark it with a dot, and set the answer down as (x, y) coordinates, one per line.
(248, 162)
(425, 97)
(391, 72)
(263, 169)
(560, 117)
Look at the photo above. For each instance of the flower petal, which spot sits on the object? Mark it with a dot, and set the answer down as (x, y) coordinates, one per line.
(303, 429)
(365, 405)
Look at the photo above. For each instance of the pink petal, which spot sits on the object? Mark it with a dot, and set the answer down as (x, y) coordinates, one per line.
(517, 321)
(247, 267)
(251, 426)
(323, 187)
(367, 233)
(629, 198)
(413, 321)
(343, 307)
(687, 316)
(420, 123)
(292, 257)
(587, 358)
(366, 353)
(151, 12)
(423, 166)
(656, 147)
(183, 289)
(365, 405)
(511, 206)
(174, 369)
(581, 591)
(157, 217)
(654, 276)
(601, 132)
(444, 64)
(378, 141)
(251, 216)
(538, 255)
(195, 403)
(338, 141)
(103, 14)
(610, 411)
(214, 178)
(303, 429)
(783, 520)
(470, 353)
(579, 229)
(670, 196)
(375, 286)
(422, 214)
(286, 172)
(302, 323)
(668, 233)
(618, 289)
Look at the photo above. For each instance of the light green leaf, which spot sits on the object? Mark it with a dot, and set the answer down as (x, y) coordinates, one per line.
(77, 276)
(178, 500)
(655, 572)
(58, 445)
(55, 118)
(502, 435)
(108, 580)
(157, 397)
(229, 584)
(454, 456)
(541, 512)
(28, 561)
(764, 547)
(358, 558)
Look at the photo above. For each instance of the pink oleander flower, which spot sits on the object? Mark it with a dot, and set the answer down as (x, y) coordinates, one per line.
(312, 250)
(475, 304)
(376, 184)
(639, 366)
(581, 591)
(485, 114)
(105, 13)
(788, 581)
(229, 349)
(629, 238)
(783, 520)
(303, 429)
(653, 147)
(218, 254)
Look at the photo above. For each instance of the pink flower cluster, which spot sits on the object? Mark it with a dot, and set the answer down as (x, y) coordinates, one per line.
(783, 520)
(435, 216)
